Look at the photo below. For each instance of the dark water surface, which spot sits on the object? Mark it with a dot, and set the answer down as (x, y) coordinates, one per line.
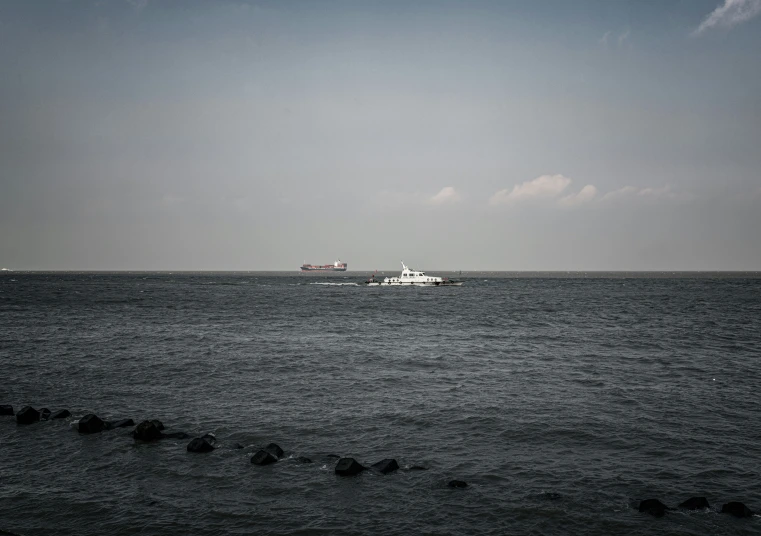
(562, 401)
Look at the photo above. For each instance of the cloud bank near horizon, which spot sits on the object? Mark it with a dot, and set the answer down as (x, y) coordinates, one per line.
(550, 187)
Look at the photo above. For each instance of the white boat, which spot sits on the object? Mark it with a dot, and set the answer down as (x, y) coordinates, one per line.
(415, 278)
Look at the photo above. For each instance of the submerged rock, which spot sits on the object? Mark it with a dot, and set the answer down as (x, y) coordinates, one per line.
(90, 424)
(695, 503)
(236, 446)
(386, 466)
(27, 415)
(200, 444)
(275, 450)
(60, 414)
(654, 507)
(110, 425)
(6, 409)
(303, 459)
(457, 484)
(737, 509)
(44, 414)
(147, 431)
(348, 467)
(332, 456)
(262, 457)
(417, 468)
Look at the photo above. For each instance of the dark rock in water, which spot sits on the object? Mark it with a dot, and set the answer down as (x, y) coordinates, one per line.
(348, 467)
(61, 414)
(175, 435)
(737, 509)
(695, 503)
(386, 466)
(333, 456)
(211, 438)
(237, 446)
(158, 424)
(275, 450)
(44, 414)
(303, 459)
(654, 507)
(90, 424)
(6, 410)
(147, 431)
(417, 468)
(200, 444)
(110, 425)
(263, 457)
(457, 484)
(27, 415)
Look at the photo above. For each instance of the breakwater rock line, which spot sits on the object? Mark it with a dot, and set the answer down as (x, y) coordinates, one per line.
(152, 430)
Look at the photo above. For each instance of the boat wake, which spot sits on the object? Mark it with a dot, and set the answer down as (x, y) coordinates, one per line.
(336, 284)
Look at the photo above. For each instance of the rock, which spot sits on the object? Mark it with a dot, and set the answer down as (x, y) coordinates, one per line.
(110, 425)
(654, 507)
(61, 414)
(386, 466)
(263, 457)
(737, 509)
(211, 438)
(333, 456)
(236, 446)
(147, 431)
(303, 459)
(695, 503)
(348, 467)
(90, 424)
(157, 423)
(200, 444)
(457, 484)
(275, 450)
(6, 410)
(27, 415)
(44, 414)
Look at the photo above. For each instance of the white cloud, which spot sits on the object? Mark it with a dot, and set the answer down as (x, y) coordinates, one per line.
(621, 192)
(664, 191)
(729, 14)
(623, 37)
(604, 39)
(447, 196)
(549, 187)
(586, 194)
(541, 187)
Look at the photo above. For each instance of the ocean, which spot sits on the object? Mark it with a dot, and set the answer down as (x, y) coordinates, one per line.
(561, 399)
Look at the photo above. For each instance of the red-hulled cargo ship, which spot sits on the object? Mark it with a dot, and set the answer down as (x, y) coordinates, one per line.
(337, 266)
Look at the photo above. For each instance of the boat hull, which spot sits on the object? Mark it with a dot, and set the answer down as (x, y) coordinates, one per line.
(320, 269)
(415, 284)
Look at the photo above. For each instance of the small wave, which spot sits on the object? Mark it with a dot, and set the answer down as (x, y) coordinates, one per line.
(336, 284)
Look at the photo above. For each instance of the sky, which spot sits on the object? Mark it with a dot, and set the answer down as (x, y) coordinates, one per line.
(453, 135)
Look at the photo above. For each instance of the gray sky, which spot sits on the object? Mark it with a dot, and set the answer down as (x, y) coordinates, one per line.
(542, 135)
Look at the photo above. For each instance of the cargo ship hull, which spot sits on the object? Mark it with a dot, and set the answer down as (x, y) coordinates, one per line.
(337, 266)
